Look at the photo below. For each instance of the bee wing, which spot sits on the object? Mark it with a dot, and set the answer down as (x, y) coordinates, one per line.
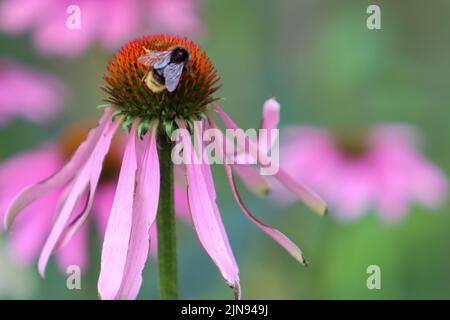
(152, 58)
(172, 74)
(163, 62)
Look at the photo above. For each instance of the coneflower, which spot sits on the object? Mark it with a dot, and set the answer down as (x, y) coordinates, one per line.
(371, 169)
(144, 193)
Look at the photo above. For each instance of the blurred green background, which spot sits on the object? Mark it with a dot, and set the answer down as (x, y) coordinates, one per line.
(325, 68)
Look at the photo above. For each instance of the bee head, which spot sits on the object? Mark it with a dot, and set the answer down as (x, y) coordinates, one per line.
(179, 55)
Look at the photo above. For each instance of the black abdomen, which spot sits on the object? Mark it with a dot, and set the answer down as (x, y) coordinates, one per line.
(158, 76)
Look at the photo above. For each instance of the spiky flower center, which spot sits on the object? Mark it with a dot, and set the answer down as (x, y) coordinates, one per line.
(130, 95)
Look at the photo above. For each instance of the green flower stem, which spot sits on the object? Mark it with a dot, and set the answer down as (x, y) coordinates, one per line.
(167, 248)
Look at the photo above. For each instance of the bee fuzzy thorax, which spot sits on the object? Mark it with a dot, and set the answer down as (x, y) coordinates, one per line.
(179, 87)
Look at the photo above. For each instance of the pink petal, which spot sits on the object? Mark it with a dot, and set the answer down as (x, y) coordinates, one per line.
(395, 135)
(97, 162)
(309, 197)
(85, 181)
(207, 221)
(30, 233)
(404, 174)
(279, 237)
(154, 241)
(181, 203)
(28, 93)
(174, 16)
(20, 171)
(65, 211)
(392, 184)
(144, 215)
(102, 206)
(429, 185)
(309, 155)
(18, 15)
(247, 171)
(59, 179)
(284, 241)
(303, 192)
(53, 36)
(180, 193)
(250, 176)
(269, 123)
(181, 212)
(118, 230)
(75, 252)
(123, 13)
(179, 175)
(271, 114)
(33, 225)
(351, 192)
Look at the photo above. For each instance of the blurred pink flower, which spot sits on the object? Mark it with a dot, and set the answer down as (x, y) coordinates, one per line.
(382, 170)
(27, 93)
(36, 221)
(110, 23)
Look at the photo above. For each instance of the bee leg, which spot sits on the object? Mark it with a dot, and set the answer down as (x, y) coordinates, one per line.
(145, 76)
(189, 71)
(146, 50)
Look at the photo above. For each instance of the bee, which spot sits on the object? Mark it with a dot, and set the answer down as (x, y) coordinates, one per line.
(164, 68)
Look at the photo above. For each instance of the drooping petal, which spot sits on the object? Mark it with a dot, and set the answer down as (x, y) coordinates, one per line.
(309, 197)
(206, 218)
(31, 230)
(247, 172)
(144, 215)
(181, 203)
(303, 192)
(269, 122)
(102, 206)
(279, 237)
(75, 252)
(118, 230)
(59, 179)
(84, 183)
(74, 196)
(309, 155)
(33, 224)
(96, 168)
(271, 114)
(209, 227)
(250, 176)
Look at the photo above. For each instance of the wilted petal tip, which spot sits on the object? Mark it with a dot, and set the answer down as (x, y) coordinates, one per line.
(41, 269)
(237, 291)
(305, 262)
(264, 190)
